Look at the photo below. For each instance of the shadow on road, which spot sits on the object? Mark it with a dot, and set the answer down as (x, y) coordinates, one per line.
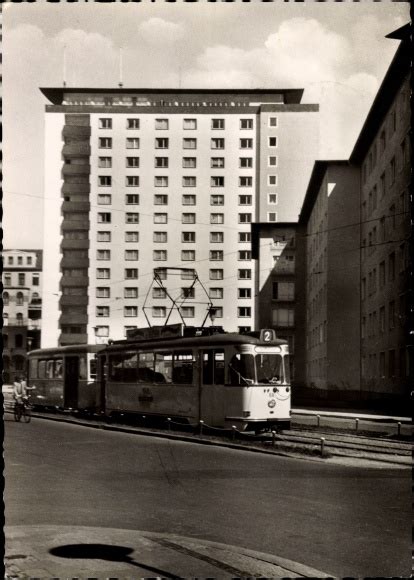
(105, 552)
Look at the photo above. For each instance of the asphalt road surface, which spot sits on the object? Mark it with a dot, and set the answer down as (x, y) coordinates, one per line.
(345, 521)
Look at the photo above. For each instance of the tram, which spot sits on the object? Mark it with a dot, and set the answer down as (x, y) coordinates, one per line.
(65, 377)
(223, 379)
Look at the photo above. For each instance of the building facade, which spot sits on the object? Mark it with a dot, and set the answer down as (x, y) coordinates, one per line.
(22, 308)
(160, 179)
(383, 153)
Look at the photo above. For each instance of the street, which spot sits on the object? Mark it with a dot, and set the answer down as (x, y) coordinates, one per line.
(344, 521)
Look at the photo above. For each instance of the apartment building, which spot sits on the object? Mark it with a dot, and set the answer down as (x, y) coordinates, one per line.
(139, 179)
(22, 308)
(383, 152)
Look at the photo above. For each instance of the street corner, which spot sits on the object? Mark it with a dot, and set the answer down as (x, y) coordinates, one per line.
(82, 552)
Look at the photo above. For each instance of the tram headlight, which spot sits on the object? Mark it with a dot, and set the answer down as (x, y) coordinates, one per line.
(287, 389)
(271, 403)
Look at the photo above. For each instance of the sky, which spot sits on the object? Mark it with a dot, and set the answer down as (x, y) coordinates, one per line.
(337, 52)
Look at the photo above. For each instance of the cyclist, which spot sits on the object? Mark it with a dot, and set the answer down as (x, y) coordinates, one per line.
(19, 389)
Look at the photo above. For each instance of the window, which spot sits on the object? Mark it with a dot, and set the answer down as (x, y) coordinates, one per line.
(105, 162)
(132, 161)
(160, 255)
(132, 218)
(103, 273)
(131, 236)
(216, 199)
(101, 331)
(189, 143)
(272, 198)
(244, 237)
(272, 141)
(159, 311)
(391, 315)
(283, 317)
(245, 274)
(6, 298)
(20, 260)
(103, 292)
(391, 364)
(245, 200)
(187, 311)
(103, 254)
(10, 259)
(245, 218)
(130, 311)
(216, 255)
(161, 124)
(392, 170)
(272, 179)
(188, 255)
(216, 274)
(105, 123)
(132, 123)
(104, 218)
(189, 162)
(131, 273)
(188, 237)
(189, 181)
(382, 319)
(188, 218)
(245, 181)
(272, 216)
(272, 161)
(246, 143)
(245, 255)
(19, 299)
(104, 199)
(160, 199)
(131, 254)
(132, 199)
(161, 162)
(188, 292)
(391, 267)
(246, 162)
(217, 123)
(189, 199)
(132, 143)
(217, 162)
(244, 311)
(246, 123)
(189, 124)
(217, 181)
(217, 144)
(132, 181)
(283, 290)
(102, 311)
(161, 181)
(272, 121)
(187, 274)
(215, 293)
(159, 293)
(216, 237)
(244, 293)
(161, 143)
(105, 143)
(160, 218)
(104, 180)
(160, 237)
(217, 218)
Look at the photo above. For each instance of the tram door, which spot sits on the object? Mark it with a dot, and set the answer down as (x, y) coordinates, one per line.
(71, 381)
(212, 386)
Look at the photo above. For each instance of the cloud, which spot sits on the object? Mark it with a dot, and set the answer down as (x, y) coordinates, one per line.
(161, 32)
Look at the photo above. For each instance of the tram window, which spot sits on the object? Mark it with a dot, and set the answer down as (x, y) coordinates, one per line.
(129, 368)
(49, 369)
(213, 367)
(146, 367)
(115, 368)
(33, 368)
(269, 368)
(183, 368)
(241, 369)
(58, 372)
(163, 367)
(42, 369)
(92, 368)
(83, 368)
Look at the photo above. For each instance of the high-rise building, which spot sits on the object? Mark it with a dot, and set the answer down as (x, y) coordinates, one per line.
(22, 308)
(139, 179)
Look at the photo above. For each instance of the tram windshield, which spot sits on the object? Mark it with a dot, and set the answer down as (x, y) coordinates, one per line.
(242, 370)
(270, 369)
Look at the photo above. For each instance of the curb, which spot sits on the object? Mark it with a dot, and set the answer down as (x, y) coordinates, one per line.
(224, 444)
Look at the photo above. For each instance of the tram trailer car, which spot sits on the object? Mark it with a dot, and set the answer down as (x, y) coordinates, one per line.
(65, 377)
(224, 379)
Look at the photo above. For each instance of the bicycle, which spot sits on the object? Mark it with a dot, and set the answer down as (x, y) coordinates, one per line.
(23, 409)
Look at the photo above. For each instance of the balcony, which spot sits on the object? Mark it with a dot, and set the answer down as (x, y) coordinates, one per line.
(74, 300)
(73, 318)
(76, 207)
(76, 149)
(76, 131)
(76, 188)
(76, 169)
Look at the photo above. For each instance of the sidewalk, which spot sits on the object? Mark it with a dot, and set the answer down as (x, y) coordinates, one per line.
(351, 415)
